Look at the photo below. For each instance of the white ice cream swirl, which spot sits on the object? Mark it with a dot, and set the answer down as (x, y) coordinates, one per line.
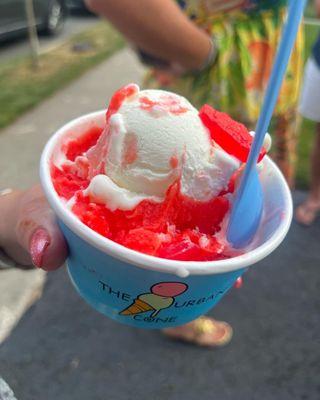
(155, 138)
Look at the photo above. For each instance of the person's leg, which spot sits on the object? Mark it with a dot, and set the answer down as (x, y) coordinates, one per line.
(309, 209)
(204, 331)
(285, 129)
(310, 108)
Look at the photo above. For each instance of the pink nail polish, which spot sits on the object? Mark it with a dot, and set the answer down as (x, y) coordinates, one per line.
(40, 240)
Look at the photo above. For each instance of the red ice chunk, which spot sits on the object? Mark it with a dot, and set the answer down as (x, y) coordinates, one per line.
(157, 216)
(142, 240)
(78, 146)
(95, 216)
(184, 249)
(232, 136)
(67, 183)
(206, 216)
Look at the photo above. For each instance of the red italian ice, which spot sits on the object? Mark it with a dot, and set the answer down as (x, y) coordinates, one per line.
(158, 178)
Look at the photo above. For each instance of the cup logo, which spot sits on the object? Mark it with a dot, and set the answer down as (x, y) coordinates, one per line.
(161, 296)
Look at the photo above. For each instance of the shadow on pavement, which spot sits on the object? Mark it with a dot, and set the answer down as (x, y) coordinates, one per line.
(63, 349)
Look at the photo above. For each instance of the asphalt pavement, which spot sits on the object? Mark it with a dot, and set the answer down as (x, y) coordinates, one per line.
(62, 348)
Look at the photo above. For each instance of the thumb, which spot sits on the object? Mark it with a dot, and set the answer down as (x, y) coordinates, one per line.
(38, 233)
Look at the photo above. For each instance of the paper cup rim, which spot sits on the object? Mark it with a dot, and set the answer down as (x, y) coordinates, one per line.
(116, 250)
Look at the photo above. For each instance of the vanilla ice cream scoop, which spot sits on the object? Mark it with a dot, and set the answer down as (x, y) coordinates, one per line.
(154, 138)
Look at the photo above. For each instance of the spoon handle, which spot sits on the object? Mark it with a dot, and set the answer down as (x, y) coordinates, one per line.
(247, 208)
(295, 12)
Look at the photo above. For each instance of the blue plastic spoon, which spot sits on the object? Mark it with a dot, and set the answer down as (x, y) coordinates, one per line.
(247, 208)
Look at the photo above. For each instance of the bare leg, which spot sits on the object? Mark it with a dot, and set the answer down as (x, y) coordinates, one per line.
(308, 210)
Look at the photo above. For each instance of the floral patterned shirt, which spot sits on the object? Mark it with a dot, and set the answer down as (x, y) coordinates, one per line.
(217, 6)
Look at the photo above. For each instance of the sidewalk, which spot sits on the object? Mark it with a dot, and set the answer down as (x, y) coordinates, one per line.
(62, 348)
(20, 149)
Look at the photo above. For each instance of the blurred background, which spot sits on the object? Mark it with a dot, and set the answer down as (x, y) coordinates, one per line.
(58, 61)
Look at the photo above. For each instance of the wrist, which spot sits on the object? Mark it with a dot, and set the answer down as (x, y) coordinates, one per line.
(210, 58)
(206, 57)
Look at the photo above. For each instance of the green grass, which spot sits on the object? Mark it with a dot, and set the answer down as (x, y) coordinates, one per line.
(22, 87)
(306, 134)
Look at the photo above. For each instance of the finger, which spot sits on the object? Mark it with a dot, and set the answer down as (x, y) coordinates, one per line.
(38, 233)
(47, 247)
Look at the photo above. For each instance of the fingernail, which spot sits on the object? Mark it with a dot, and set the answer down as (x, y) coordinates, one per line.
(40, 240)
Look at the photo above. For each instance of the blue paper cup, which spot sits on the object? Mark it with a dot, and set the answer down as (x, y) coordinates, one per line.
(150, 292)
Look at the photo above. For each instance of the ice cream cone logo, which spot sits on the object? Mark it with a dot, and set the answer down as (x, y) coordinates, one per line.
(161, 296)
